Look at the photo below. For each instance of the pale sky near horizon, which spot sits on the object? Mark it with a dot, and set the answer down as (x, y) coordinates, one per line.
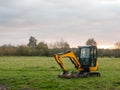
(73, 21)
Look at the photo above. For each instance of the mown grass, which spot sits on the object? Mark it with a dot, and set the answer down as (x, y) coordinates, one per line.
(40, 73)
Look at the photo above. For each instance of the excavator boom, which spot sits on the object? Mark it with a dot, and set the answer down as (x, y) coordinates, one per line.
(71, 56)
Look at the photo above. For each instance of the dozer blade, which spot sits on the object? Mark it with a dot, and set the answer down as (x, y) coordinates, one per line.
(92, 74)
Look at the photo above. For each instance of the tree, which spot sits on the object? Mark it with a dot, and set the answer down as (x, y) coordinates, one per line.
(42, 45)
(91, 41)
(63, 45)
(23, 50)
(58, 46)
(42, 49)
(117, 45)
(32, 42)
(7, 50)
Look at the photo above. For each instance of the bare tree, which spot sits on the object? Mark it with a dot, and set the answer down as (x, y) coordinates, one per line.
(61, 45)
(91, 41)
(117, 45)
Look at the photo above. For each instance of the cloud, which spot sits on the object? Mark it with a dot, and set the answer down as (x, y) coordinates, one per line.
(50, 20)
(42, 11)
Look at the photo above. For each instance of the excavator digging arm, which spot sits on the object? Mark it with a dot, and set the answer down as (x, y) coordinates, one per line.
(71, 56)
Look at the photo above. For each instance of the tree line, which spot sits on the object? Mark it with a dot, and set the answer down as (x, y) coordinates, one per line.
(43, 49)
(106, 52)
(34, 49)
(102, 52)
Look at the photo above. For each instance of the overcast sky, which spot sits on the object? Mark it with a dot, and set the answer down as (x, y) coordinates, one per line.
(50, 20)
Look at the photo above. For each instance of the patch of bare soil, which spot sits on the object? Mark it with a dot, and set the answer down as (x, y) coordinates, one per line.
(3, 87)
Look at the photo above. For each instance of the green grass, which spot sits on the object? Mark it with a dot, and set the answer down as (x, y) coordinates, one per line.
(40, 73)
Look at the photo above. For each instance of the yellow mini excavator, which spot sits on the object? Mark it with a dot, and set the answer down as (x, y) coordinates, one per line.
(85, 62)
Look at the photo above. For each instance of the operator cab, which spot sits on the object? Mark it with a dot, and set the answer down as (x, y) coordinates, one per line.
(88, 56)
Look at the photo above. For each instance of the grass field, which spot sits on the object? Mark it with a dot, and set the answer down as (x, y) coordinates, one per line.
(40, 73)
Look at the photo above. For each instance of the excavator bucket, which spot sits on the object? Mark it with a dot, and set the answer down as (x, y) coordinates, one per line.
(65, 75)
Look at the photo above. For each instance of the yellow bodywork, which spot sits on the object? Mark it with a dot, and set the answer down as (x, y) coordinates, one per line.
(71, 55)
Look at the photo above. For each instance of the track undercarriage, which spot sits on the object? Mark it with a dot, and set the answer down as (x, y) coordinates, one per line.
(78, 74)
